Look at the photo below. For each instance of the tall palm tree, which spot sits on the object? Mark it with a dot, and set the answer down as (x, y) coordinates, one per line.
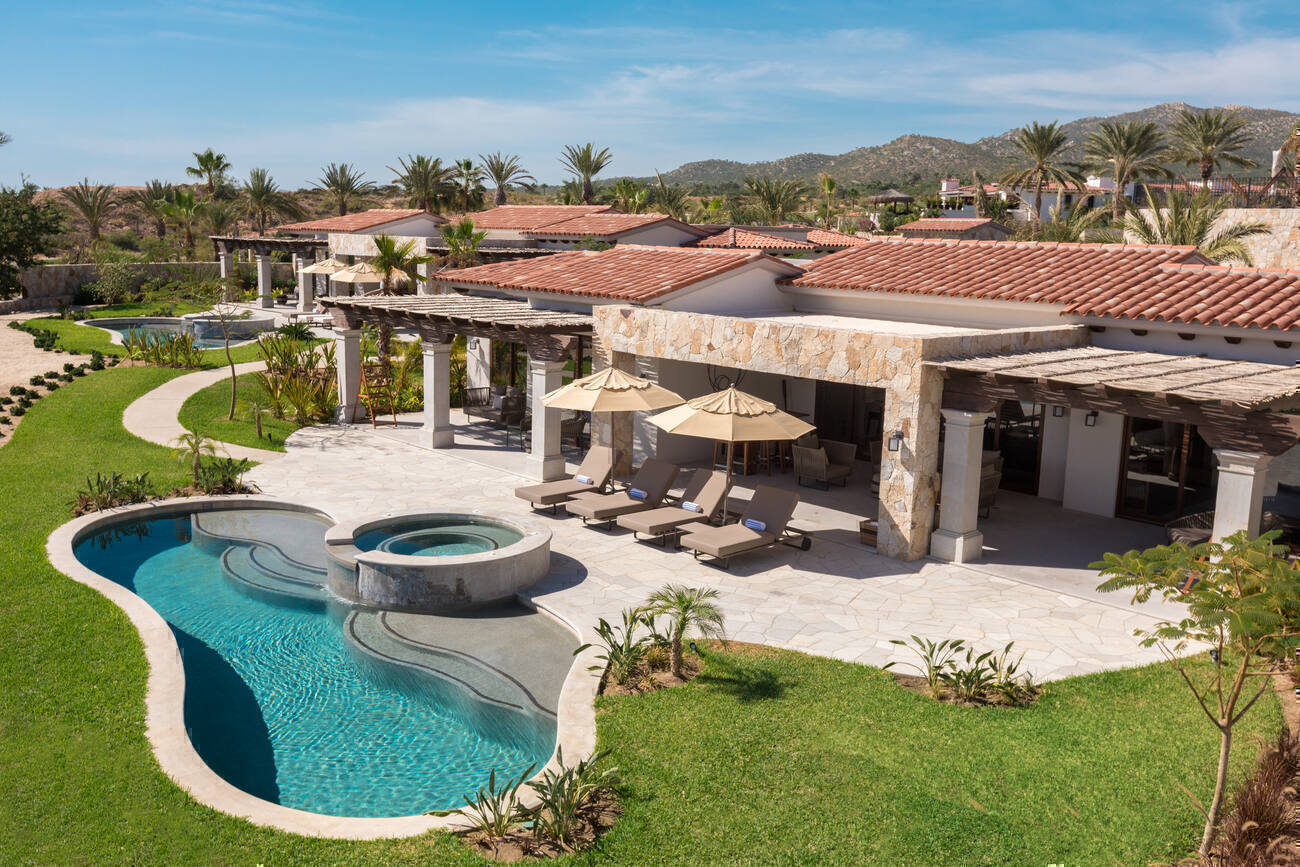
(670, 200)
(343, 183)
(218, 218)
(827, 185)
(184, 210)
(776, 199)
(1189, 219)
(94, 202)
(688, 608)
(469, 183)
(209, 166)
(1208, 138)
(149, 202)
(504, 170)
(462, 243)
(1129, 151)
(584, 162)
(266, 199)
(1042, 145)
(393, 257)
(423, 179)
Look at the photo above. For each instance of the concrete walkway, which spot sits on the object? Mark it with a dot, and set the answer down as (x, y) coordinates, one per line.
(154, 416)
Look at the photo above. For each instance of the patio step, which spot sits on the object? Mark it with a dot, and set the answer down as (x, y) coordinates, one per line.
(265, 571)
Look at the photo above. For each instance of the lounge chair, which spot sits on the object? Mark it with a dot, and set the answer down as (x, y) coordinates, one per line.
(701, 502)
(763, 523)
(592, 476)
(647, 489)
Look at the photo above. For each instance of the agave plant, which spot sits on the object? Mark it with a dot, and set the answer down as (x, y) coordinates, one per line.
(493, 810)
(623, 649)
(562, 793)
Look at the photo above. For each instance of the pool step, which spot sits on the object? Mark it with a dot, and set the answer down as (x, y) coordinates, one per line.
(263, 571)
(366, 631)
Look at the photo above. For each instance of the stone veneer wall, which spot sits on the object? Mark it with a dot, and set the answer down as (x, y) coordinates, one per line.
(45, 287)
(893, 362)
(1280, 248)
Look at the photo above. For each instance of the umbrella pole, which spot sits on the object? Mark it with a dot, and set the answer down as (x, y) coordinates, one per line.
(726, 494)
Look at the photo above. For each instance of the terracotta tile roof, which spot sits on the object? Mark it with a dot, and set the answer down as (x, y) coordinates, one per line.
(608, 224)
(628, 272)
(831, 238)
(737, 238)
(948, 224)
(525, 217)
(358, 221)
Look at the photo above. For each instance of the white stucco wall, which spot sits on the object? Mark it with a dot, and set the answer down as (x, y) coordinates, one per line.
(1254, 345)
(1092, 464)
(1053, 455)
(744, 291)
(363, 243)
(658, 235)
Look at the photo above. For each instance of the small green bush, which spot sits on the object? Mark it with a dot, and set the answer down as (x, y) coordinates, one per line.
(18, 410)
(37, 380)
(17, 391)
(116, 284)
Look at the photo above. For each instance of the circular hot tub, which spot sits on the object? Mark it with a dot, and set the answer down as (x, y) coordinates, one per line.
(428, 561)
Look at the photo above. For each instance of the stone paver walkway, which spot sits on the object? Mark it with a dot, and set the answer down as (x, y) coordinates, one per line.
(153, 416)
(838, 599)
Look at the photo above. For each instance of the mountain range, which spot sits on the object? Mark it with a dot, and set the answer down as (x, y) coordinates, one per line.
(918, 160)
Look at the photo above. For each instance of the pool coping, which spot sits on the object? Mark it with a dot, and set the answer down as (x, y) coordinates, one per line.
(165, 690)
(117, 339)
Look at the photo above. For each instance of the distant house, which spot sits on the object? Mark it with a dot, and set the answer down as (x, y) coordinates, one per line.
(565, 226)
(789, 240)
(404, 222)
(1096, 193)
(962, 228)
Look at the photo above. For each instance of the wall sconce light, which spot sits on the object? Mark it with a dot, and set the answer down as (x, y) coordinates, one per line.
(895, 441)
(471, 343)
(1090, 420)
(1058, 411)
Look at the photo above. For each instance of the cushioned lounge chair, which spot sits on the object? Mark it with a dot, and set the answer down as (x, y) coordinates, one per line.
(830, 461)
(701, 502)
(647, 489)
(592, 476)
(762, 524)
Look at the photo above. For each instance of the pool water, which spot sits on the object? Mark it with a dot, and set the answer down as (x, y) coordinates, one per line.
(157, 331)
(278, 700)
(436, 537)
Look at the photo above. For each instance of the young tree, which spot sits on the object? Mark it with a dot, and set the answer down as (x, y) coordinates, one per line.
(1129, 151)
(827, 185)
(210, 167)
(27, 230)
(425, 181)
(504, 170)
(344, 184)
(1242, 601)
(189, 448)
(1188, 219)
(1042, 146)
(584, 162)
(94, 202)
(1206, 139)
(687, 608)
(462, 243)
(265, 198)
(392, 258)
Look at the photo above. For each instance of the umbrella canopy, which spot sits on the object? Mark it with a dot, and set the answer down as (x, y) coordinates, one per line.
(889, 197)
(731, 416)
(611, 390)
(325, 266)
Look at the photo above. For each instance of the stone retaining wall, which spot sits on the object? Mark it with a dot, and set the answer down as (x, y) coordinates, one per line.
(48, 286)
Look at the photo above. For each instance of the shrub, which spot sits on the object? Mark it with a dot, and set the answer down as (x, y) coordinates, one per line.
(68, 367)
(971, 679)
(224, 476)
(51, 385)
(5, 401)
(623, 649)
(4, 419)
(37, 380)
(124, 240)
(18, 410)
(96, 360)
(17, 390)
(494, 810)
(106, 492)
(564, 792)
(117, 282)
(936, 658)
(51, 374)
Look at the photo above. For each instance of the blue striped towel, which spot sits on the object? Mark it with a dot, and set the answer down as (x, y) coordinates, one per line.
(757, 526)
(586, 480)
(692, 507)
(637, 493)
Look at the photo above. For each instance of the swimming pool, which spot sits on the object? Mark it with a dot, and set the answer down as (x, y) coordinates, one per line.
(301, 700)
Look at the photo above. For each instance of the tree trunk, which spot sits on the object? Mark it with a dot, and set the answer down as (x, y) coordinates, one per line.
(1038, 200)
(1220, 783)
(501, 195)
(1206, 168)
(160, 228)
(1117, 205)
(197, 455)
(343, 207)
(677, 654)
(587, 191)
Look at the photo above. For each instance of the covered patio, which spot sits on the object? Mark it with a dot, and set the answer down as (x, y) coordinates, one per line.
(303, 252)
(550, 337)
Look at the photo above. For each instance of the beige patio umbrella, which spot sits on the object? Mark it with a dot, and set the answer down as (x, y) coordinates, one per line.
(611, 390)
(325, 266)
(731, 416)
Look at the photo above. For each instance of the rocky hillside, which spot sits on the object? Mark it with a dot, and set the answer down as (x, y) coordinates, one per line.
(912, 160)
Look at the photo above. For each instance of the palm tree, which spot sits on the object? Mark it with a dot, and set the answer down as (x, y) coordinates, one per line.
(149, 202)
(265, 198)
(189, 449)
(1042, 145)
(184, 210)
(424, 180)
(5, 138)
(392, 257)
(1207, 138)
(584, 162)
(777, 199)
(1188, 219)
(1129, 151)
(94, 202)
(469, 183)
(630, 196)
(570, 192)
(462, 243)
(218, 218)
(669, 200)
(1069, 226)
(504, 170)
(689, 608)
(209, 166)
(343, 183)
(827, 184)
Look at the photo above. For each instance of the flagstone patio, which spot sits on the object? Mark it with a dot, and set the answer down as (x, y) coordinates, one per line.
(838, 599)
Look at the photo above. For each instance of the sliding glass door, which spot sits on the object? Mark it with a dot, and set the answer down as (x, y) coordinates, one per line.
(1166, 471)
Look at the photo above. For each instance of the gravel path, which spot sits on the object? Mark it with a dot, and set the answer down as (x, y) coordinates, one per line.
(19, 359)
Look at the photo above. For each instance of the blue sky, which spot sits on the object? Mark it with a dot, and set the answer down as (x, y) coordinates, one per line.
(124, 93)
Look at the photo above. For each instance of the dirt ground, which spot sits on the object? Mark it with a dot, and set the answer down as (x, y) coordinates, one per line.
(19, 359)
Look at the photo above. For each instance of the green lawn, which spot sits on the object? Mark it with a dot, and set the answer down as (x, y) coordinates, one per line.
(768, 756)
(208, 411)
(75, 337)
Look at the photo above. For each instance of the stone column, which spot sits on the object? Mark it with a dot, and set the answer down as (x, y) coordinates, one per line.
(545, 461)
(426, 286)
(437, 432)
(227, 264)
(478, 362)
(958, 539)
(347, 355)
(1239, 502)
(264, 287)
(306, 286)
(906, 501)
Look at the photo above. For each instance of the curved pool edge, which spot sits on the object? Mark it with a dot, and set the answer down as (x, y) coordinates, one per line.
(165, 690)
(117, 339)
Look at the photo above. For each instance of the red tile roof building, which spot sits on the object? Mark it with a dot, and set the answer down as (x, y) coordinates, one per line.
(360, 221)
(739, 238)
(607, 224)
(824, 238)
(524, 218)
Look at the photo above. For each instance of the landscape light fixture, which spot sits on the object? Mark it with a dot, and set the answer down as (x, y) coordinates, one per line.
(1090, 420)
(1058, 411)
(895, 441)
